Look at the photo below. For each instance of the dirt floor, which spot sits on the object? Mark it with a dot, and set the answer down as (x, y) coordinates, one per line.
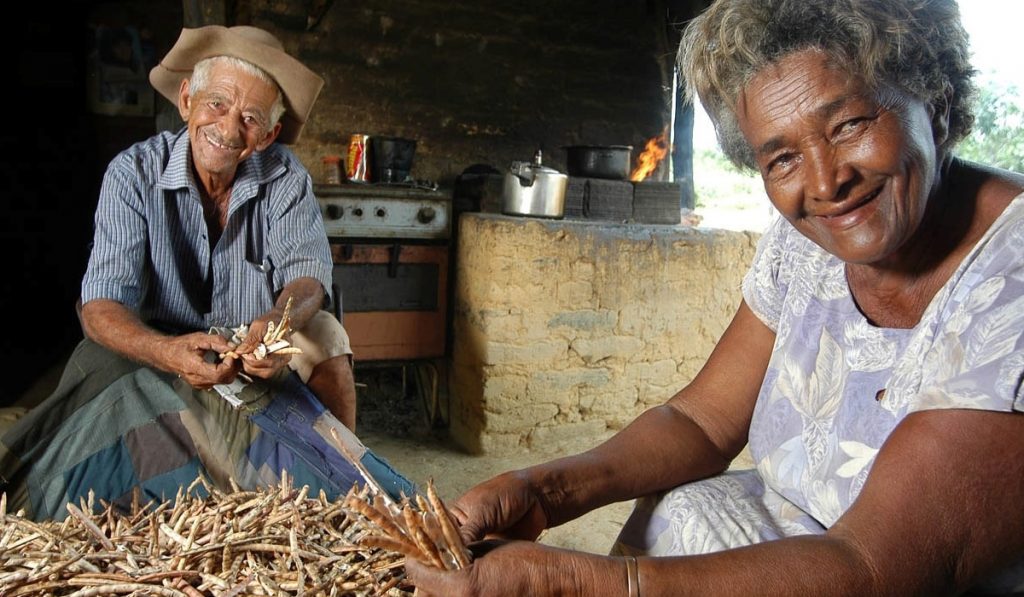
(393, 421)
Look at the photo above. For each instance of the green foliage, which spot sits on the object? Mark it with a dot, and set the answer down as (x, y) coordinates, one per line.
(998, 135)
(718, 183)
(727, 197)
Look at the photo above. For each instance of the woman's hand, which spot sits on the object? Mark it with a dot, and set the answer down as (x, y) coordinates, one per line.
(513, 568)
(505, 506)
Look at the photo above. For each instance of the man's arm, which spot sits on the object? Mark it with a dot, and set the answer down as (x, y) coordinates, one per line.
(114, 326)
(297, 244)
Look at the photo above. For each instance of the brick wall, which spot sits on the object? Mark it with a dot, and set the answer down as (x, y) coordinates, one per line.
(566, 330)
(477, 82)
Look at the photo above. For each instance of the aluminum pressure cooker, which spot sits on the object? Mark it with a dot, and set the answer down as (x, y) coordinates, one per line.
(533, 189)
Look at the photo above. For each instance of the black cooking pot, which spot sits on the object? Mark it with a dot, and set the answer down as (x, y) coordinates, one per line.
(392, 158)
(599, 161)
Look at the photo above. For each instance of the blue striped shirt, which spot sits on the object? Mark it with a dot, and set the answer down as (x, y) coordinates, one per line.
(151, 250)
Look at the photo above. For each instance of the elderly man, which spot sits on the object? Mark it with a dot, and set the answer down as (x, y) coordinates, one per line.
(216, 225)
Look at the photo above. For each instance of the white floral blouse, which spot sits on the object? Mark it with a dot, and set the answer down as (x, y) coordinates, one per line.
(837, 386)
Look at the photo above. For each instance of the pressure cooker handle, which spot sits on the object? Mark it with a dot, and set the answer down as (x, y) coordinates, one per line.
(523, 172)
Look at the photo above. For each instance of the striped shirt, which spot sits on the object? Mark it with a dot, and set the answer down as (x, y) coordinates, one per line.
(151, 251)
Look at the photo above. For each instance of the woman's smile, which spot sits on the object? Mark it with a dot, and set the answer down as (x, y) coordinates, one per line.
(850, 213)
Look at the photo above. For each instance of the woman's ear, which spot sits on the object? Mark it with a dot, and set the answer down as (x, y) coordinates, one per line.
(940, 117)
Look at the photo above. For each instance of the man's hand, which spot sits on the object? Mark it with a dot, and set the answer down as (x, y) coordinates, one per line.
(254, 337)
(262, 368)
(187, 356)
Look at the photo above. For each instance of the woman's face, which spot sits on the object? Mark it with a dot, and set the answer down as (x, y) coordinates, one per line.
(850, 168)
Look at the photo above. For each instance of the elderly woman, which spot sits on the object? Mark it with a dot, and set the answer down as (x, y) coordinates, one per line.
(874, 365)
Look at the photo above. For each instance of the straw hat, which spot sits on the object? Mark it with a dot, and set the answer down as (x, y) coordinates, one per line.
(299, 85)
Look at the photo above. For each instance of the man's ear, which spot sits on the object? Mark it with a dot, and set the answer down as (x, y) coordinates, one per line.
(184, 100)
(269, 137)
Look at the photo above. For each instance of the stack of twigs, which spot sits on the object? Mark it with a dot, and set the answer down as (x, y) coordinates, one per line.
(277, 541)
(274, 340)
(421, 527)
(415, 527)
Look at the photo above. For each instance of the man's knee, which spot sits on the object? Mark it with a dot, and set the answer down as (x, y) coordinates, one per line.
(321, 339)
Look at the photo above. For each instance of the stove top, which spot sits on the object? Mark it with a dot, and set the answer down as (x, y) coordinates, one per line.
(392, 211)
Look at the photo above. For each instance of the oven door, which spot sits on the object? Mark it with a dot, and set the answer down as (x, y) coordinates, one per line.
(393, 298)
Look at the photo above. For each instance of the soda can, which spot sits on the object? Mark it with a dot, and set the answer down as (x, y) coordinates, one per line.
(357, 165)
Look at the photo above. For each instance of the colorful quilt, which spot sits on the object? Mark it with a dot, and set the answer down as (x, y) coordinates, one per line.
(112, 426)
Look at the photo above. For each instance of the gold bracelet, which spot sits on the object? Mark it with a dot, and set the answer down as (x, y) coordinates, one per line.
(632, 577)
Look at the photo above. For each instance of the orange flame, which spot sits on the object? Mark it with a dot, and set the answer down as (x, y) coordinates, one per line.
(648, 160)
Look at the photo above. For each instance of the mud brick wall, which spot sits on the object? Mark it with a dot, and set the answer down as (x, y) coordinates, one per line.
(477, 82)
(566, 330)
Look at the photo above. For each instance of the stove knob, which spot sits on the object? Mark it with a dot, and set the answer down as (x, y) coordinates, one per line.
(335, 212)
(381, 212)
(358, 212)
(426, 215)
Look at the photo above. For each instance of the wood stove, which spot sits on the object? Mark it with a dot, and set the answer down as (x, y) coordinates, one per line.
(391, 250)
(597, 199)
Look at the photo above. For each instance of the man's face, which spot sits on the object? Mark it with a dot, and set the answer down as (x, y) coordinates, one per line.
(229, 120)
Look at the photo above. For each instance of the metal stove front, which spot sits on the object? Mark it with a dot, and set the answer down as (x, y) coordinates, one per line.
(384, 212)
(390, 248)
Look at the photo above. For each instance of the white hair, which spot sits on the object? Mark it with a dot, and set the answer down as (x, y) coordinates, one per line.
(201, 77)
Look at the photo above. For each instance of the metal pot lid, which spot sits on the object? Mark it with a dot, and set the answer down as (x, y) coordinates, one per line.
(536, 168)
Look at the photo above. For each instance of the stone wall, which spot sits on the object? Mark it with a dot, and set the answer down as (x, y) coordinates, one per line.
(564, 330)
(477, 82)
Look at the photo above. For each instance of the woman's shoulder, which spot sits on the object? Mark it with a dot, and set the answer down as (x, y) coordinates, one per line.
(789, 266)
(993, 189)
(791, 252)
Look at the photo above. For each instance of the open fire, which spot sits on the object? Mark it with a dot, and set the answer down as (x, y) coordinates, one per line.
(654, 152)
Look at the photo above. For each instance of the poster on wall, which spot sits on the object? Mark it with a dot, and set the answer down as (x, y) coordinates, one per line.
(119, 73)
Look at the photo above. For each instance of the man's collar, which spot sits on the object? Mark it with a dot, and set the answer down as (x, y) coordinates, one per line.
(176, 174)
(259, 168)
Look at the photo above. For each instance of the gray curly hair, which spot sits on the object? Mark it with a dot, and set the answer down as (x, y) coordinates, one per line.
(918, 46)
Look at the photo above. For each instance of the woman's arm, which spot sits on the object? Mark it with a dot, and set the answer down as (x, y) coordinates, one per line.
(940, 511)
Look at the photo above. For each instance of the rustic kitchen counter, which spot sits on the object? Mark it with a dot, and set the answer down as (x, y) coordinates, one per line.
(565, 330)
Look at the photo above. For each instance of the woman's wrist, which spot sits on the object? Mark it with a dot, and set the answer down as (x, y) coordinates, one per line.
(632, 577)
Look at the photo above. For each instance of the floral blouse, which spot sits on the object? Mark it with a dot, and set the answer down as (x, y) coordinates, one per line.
(837, 385)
